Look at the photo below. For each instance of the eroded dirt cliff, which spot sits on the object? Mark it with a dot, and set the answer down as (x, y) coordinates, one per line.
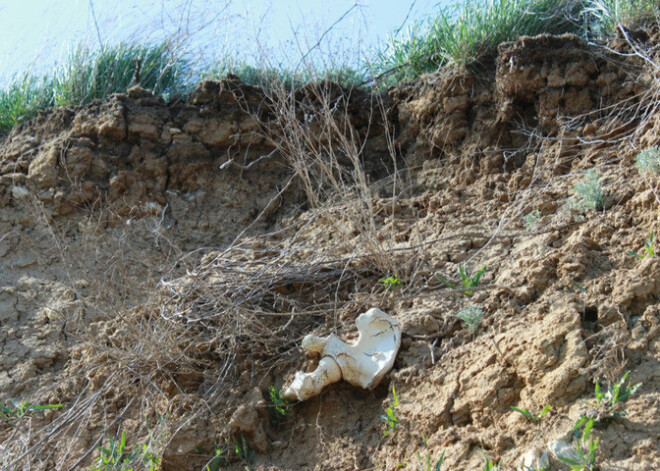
(160, 264)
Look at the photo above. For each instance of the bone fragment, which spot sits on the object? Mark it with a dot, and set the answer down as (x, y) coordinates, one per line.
(362, 364)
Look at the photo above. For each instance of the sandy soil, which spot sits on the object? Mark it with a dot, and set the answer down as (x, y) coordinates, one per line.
(160, 264)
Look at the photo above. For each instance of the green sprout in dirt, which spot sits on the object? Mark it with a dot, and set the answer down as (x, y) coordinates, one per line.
(428, 464)
(471, 316)
(243, 451)
(617, 393)
(220, 458)
(11, 414)
(150, 459)
(615, 396)
(490, 466)
(589, 193)
(531, 220)
(534, 418)
(222, 453)
(609, 403)
(648, 160)
(467, 282)
(390, 282)
(649, 249)
(581, 288)
(117, 458)
(390, 417)
(279, 406)
(583, 455)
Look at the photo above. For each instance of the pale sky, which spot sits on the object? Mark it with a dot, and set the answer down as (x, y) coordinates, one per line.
(37, 33)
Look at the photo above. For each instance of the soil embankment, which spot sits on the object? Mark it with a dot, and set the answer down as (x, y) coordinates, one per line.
(160, 263)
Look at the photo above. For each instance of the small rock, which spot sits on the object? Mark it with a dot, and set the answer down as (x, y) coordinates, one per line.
(19, 192)
(244, 419)
(534, 459)
(561, 447)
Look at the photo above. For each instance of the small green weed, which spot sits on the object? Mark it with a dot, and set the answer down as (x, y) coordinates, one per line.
(390, 417)
(279, 406)
(467, 282)
(531, 220)
(472, 316)
(648, 160)
(618, 393)
(490, 466)
(22, 100)
(534, 418)
(580, 423)
(608, 405)
(583, 455)
(223, 453)
(221, 456)
(117, 458)
(150, 459)
(614, 396)
(391, 282)
(589, 193)
(579, 287)
(649, 249)
(428, 465)
(243, 451)
(15, 413)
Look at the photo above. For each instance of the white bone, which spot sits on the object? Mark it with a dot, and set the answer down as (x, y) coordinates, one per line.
(362, 364)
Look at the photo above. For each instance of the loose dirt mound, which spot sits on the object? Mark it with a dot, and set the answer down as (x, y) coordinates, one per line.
(161, 263)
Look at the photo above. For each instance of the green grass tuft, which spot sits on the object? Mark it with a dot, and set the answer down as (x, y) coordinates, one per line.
(534, 418)
(391, 417)
(471, 316)
(428, 465)
(270, 77)
(90, 75)
(21, 101)
(648, 160)
(588, 193)
(582, 457)
(467, 31)
(531, 221)
(463, 33)
(279, 407)
(467, 281)
(390, 282)
(94, 75)
(649, 248)
(117, 457)
(16, 411)
(605, 17)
